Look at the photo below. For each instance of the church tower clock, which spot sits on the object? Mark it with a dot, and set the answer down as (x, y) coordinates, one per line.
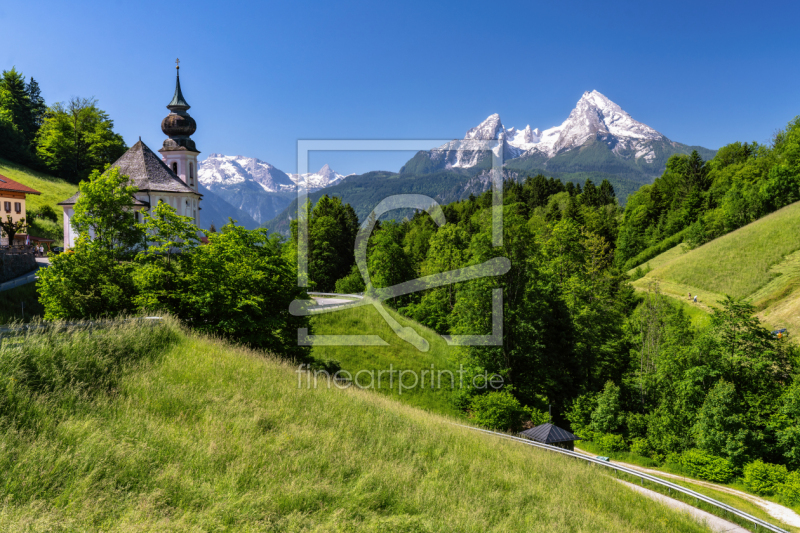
(179, 151)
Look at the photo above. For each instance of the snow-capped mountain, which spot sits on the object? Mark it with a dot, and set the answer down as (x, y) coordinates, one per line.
(595, 114)
(255, 187)
(226, 170)
(594, 118)
(324, 177)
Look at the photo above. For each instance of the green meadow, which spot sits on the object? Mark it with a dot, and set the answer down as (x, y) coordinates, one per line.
(149, 428)
(759, 262)
(398, 355)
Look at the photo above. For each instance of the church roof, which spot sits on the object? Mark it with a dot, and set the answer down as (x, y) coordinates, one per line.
(548, 434)
(147, 171)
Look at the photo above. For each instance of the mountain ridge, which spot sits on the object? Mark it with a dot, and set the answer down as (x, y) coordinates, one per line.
(254, 188)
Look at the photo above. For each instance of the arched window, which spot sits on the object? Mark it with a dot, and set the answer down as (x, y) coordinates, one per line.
(191, 174)
(175, 168)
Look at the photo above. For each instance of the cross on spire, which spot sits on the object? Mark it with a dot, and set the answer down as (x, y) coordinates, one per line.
(177, 63)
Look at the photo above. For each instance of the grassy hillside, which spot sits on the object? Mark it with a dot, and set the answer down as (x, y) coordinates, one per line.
(53, 190)
(759, 262)
(397, 355)
(165, 431)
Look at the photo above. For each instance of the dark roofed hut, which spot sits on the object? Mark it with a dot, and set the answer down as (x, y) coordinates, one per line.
(552, 435)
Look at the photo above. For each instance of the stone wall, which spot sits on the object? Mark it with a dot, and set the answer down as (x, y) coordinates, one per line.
(14, 265)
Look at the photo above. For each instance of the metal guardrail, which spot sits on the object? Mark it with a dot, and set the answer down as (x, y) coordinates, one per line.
(33, 276)
(359, 296)
(656, 480)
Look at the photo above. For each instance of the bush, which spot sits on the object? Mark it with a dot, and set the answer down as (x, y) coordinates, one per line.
(763, 478)
(537, 417)
(352, 283)
(610, 442)
(789, 490)
(703, 465)
(497, 410)
(642, 447)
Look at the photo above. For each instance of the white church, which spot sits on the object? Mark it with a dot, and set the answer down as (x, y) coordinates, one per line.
(171, 178)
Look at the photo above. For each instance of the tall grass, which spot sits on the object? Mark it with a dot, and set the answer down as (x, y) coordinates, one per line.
(188, 434)
(51, 369)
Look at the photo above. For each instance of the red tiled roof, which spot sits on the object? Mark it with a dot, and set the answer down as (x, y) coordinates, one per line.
(7, 184)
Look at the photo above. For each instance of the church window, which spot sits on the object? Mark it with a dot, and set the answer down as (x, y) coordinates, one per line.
(175, 168)
(191, 174)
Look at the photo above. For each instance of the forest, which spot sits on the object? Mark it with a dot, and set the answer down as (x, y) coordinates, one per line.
(624, 370)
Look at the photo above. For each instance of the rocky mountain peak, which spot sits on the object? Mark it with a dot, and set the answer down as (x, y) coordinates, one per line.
(488, 130)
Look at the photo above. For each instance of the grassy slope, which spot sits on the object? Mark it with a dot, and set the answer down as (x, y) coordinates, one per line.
(211, 438)
(398, 355)
(53, 190)
(760, 262)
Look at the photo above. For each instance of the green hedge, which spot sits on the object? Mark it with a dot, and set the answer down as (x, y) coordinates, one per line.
(703, 465)
(610, 442)
(653, 251)
(790, 489)
(764, 478)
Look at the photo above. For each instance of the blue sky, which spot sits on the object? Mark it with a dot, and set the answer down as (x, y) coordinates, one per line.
(260, 75)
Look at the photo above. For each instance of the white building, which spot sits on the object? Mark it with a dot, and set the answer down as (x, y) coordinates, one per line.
(171, 178)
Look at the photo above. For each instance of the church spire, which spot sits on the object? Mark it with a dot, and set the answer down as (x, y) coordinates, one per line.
(178, 125)
(178, 102)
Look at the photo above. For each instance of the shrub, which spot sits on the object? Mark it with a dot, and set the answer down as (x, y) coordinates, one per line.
(789, 490)
(610, 442)
(352, 283)
(497, 410)
(536, 416)
(641, 446)
(703, 465)
(763, 478)
(673, 460)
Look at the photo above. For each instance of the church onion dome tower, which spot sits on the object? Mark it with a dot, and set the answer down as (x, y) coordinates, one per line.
(179, 151)
(178, 125)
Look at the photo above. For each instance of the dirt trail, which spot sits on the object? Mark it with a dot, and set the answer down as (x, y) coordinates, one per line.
(714, 523)
(775, 510)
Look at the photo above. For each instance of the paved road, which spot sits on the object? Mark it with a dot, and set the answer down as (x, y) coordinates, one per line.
(330, 301)
(714, 523)
(775, 510)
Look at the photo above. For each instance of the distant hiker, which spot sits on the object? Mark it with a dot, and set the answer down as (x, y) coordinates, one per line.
(695, 298)
(690, 295)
